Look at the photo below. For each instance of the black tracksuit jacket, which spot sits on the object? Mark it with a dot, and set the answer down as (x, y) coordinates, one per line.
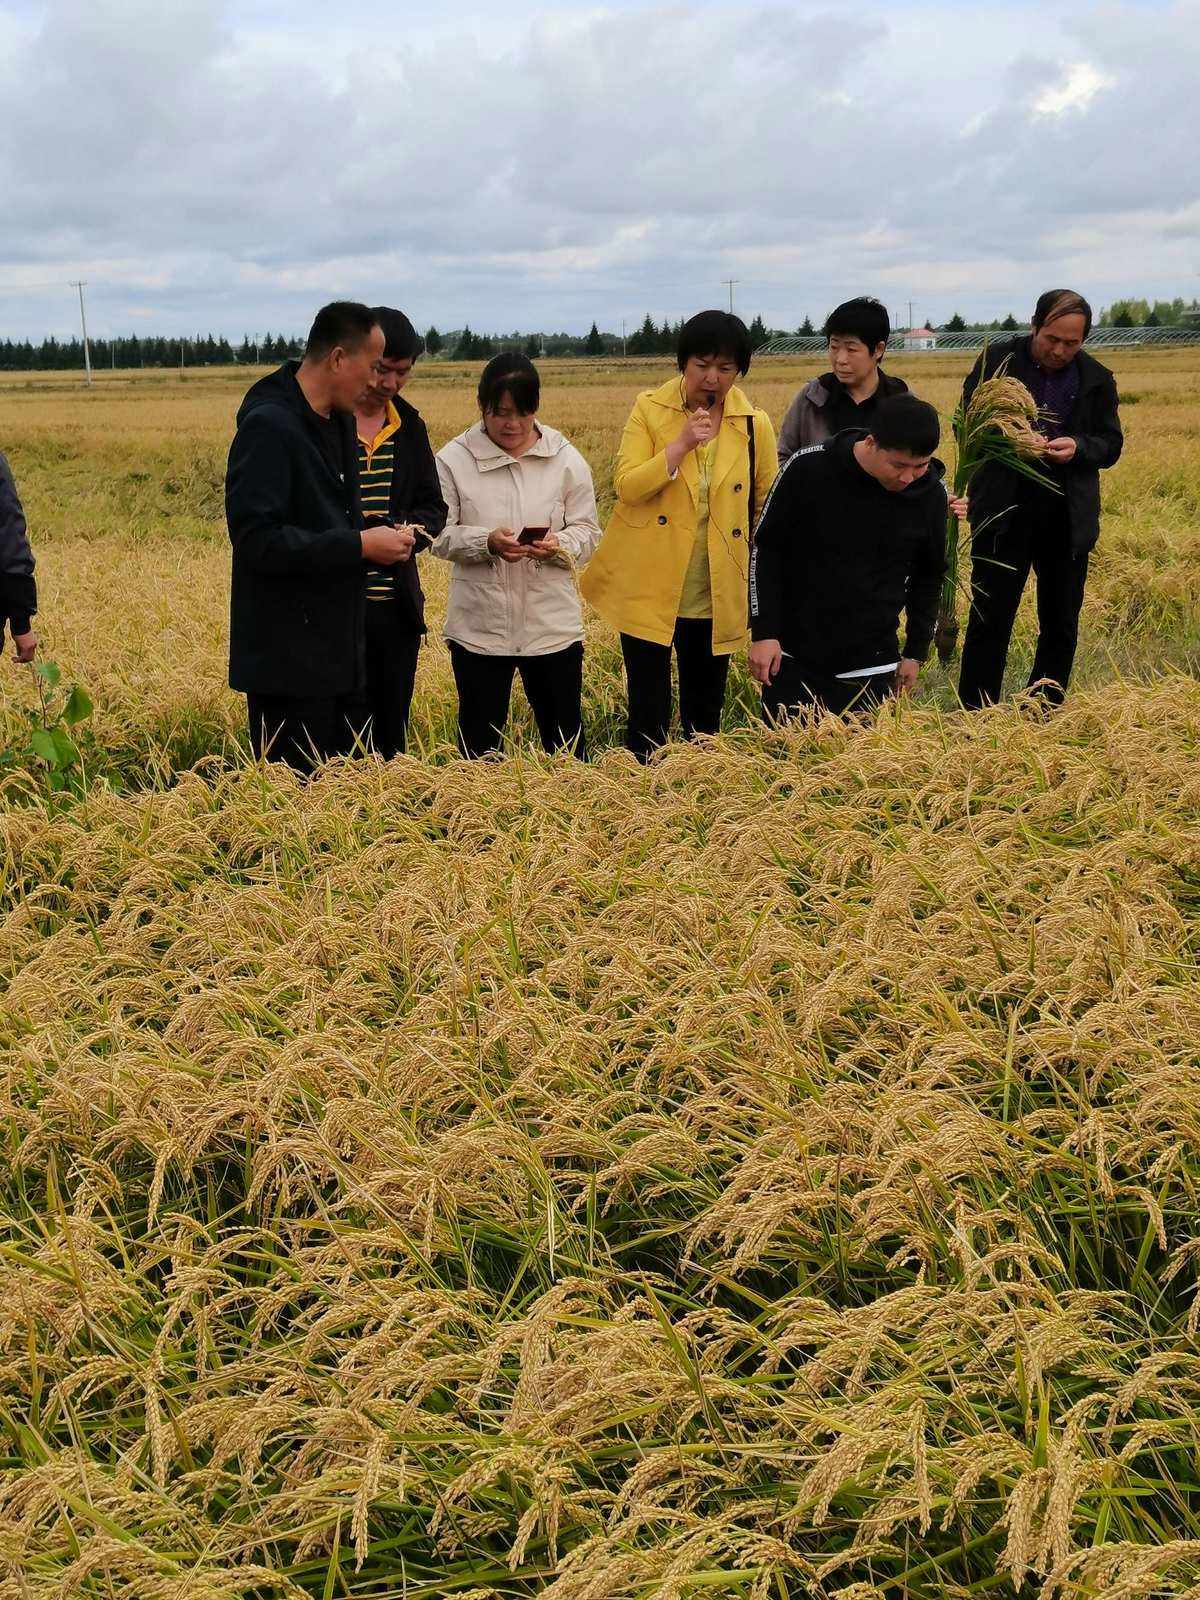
(18, 591)
(837, 557)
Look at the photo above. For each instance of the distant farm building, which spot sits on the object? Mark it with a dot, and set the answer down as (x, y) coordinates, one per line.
(920, 339)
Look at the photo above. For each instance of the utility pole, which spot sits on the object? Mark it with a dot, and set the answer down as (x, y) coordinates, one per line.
(81, 284)
(729, 283)
(910, 321)
(623, 349)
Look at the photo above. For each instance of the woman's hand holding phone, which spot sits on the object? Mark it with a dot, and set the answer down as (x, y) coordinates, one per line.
(543, 547)
(503, 542)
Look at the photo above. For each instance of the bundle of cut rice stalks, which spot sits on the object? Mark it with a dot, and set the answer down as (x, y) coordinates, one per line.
(998, 423)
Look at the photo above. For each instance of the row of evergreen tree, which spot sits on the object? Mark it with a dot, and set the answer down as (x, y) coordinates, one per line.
(204, 350)
(650, 339)
(197, 350)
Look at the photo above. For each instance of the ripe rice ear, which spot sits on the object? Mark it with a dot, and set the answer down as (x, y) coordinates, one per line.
(997, 424)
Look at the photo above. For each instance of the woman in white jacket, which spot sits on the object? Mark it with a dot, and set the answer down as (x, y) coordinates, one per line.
(522, 522)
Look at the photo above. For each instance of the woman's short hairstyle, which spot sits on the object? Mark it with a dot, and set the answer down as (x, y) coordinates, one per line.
(864, 318)
(1057, 303)
(511, 375)
(714, 333)
(902, 422)
(401, 341)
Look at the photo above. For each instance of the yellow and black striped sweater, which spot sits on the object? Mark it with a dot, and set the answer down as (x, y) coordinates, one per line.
(376, 462)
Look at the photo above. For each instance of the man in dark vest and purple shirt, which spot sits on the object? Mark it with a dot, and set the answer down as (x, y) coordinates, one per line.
(1021, 526)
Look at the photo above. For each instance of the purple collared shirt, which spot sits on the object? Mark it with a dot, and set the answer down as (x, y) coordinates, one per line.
(1056, 394)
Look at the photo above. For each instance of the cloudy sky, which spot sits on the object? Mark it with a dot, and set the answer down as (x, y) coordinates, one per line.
(211, 166)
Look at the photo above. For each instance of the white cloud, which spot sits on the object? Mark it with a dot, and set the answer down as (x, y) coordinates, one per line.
(1075, 91)
(544, 165)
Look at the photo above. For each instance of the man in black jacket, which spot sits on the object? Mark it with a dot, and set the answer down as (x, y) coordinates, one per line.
(1019, 524)
(18, 592)
(300, 553)
(398, 484)
(853, 532)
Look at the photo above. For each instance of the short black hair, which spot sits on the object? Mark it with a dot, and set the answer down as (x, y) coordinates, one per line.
(902, 422)
(864, 318)
(714, 333)
(401, 341)
(1057, 303)
(512, 374)
(342, 324)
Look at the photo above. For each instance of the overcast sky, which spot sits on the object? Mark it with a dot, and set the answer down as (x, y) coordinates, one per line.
(228, 168)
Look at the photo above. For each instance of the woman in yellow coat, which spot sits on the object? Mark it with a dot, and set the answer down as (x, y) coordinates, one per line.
(695, 465)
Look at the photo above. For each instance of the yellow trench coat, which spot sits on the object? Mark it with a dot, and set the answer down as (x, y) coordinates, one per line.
(636, 576)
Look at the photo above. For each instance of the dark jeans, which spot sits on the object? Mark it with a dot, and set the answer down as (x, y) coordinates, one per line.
(1035, 534)
(553, 686)
(392, 650)
(702, 678)
(796, 686)
(302, 732)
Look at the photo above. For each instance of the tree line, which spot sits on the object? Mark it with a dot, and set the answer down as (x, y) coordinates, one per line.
(462, 344)
(1121, 314)
(196, 350)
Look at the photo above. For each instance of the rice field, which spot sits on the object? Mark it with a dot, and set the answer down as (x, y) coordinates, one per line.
(124, 492)
(770, 1173)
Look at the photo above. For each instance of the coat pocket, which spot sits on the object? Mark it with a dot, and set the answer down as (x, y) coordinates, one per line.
(477, 609)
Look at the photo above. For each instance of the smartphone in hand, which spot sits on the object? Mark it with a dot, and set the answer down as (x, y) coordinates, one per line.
(532, 535)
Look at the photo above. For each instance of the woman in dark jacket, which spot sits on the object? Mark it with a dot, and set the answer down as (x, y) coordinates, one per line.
(846, 396)
(1021, 525)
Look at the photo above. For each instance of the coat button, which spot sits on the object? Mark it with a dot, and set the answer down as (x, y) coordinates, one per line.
(662, 522)
(737, 533)
(737, 488)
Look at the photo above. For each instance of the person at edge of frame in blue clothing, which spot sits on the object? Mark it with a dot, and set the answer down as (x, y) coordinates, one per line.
(18, 590)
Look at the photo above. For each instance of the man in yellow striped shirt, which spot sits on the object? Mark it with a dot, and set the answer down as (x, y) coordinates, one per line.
(398, 484)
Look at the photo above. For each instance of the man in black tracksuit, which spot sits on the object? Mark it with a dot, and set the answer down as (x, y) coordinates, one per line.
(18, 591)
(854, 532)
(1021, 525)
(300, 552)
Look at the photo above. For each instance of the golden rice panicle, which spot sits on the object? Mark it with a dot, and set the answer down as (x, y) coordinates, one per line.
(1002, 404)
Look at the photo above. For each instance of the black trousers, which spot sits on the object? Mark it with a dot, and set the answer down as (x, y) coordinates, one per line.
(302, 732)
(392, 650)
(553, 686)
(1035, 535)
(702, 678)
(796, 686)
